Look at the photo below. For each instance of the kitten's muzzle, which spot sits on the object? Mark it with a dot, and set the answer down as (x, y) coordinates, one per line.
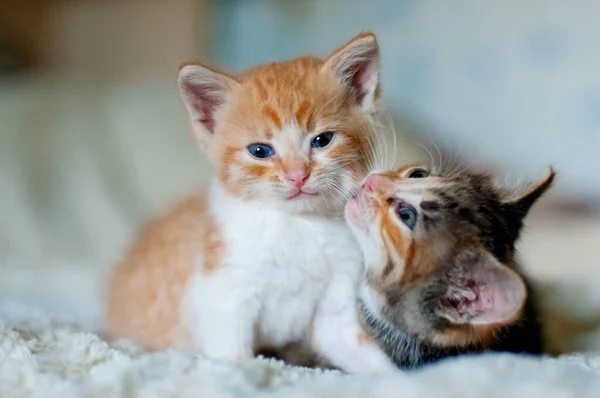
(371, 182)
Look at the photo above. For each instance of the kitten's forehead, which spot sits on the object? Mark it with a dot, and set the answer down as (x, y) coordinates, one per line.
(289, 137)
(293, 93)
(396, 184)
(445, 186)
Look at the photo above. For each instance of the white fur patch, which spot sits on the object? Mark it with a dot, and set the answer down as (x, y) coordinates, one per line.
(278, 270)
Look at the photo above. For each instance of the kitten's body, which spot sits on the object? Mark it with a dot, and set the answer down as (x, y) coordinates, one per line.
(284, 265)
(410, 352)
(442, 278)
(267, 260)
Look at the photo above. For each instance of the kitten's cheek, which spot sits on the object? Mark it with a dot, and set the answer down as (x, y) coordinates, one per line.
(353, 215)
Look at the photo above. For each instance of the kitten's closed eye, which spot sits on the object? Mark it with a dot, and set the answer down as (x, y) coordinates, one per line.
(261, 151)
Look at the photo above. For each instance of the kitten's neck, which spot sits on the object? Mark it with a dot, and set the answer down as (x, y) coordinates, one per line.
(407, 351)
(404, 350)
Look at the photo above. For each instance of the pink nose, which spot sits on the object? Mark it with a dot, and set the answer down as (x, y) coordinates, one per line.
(370, 183)
(298, 178)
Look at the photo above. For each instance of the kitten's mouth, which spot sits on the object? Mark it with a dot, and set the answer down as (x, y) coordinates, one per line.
(301, 195)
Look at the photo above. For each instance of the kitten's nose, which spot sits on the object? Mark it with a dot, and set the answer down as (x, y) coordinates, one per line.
(370, 183)
(298, 177)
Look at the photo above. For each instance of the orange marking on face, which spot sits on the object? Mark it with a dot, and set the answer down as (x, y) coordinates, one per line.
(311, 122)
(340, 151)
(353, 145)
(408, 261)
(302, 114)
(392, 237)
(273, 116)
(227, 160)
(421, 261)
(392, 174)
(255, 170)
(402, 169)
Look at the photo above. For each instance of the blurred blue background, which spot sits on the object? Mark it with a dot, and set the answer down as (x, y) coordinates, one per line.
(94, 139)
(516, 83)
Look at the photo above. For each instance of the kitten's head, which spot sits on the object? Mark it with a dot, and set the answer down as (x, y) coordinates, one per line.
(439, 252)
(294, 134)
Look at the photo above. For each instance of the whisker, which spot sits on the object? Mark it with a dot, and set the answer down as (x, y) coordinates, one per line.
(392, 131)
(431, 159)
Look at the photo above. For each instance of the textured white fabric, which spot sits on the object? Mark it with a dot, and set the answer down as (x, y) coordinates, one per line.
(47, 355)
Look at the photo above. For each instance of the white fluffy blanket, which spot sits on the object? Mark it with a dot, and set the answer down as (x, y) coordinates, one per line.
(50, 356)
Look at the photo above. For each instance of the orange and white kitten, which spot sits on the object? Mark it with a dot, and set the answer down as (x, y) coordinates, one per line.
(266, 259)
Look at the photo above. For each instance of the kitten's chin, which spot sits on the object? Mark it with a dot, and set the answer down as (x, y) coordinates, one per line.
(353, 215)
(311, 203)
(301, 195)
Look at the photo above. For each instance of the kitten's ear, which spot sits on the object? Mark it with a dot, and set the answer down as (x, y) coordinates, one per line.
(203, 92)
(520, 203)
(356, 66)
(485, 293)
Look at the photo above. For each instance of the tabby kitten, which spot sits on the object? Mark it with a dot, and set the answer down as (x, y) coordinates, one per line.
(441, 274)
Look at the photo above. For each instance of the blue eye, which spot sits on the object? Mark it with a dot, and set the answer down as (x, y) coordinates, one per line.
(261, 151)
(322, 140)
(408, 215)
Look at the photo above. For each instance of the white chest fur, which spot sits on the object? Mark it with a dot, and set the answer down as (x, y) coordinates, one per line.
(276, 269)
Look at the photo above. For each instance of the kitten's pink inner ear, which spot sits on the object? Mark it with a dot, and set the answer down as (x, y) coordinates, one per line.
(203, 92)
(492, 295)
(356, 65)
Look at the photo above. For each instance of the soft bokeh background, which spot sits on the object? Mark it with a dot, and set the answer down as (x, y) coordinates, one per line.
(93, 137)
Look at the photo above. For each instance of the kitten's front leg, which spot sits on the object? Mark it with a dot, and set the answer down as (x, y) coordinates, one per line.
(338, 336)
(225, 313)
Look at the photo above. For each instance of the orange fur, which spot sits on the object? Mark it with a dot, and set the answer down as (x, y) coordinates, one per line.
(364, 338)
(271, 114)
(482, 335)
(255, 170)
(272, 96)
(302, 115)
(393, 237)
(417, 261)
(146, 289)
